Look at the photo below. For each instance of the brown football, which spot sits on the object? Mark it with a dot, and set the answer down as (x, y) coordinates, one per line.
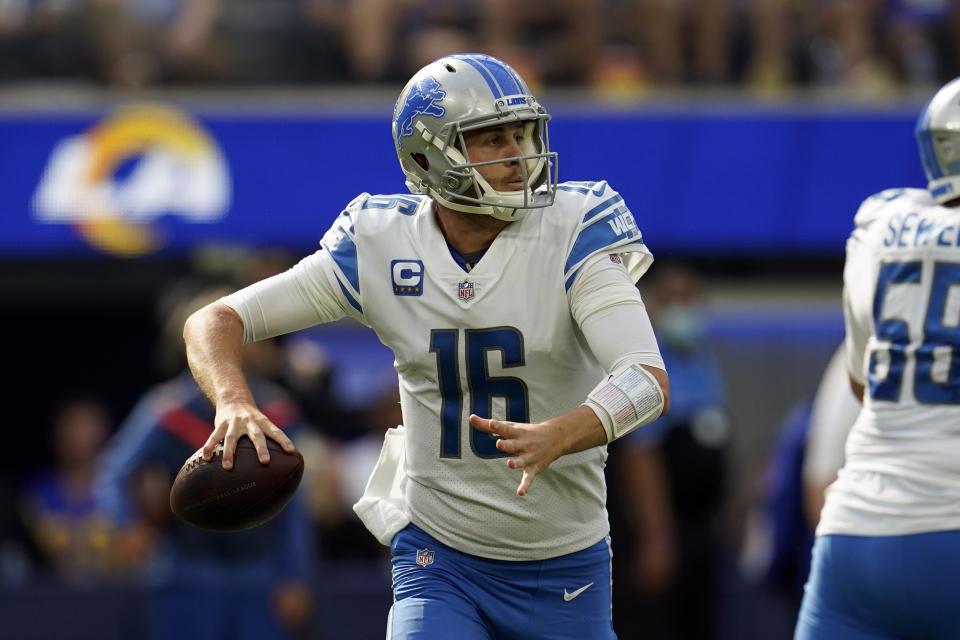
(210, 497)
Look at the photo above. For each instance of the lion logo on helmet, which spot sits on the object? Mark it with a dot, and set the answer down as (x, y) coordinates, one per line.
(423, 99)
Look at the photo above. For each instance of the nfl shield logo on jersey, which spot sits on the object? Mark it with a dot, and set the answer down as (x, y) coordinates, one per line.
(425, 557)
(465, 290)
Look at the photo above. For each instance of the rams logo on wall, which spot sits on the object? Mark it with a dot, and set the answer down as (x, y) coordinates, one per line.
(139, 163)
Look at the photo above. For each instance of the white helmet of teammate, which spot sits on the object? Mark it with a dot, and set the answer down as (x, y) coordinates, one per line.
(938, 135)
(461, 93)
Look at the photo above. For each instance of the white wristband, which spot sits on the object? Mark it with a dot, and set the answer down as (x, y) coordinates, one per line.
(626, 399)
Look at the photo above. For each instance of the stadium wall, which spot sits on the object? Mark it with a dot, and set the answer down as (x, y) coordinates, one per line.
(160, 177)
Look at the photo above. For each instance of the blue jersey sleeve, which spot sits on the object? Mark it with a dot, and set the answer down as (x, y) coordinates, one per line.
(340, 241)
(605, 225)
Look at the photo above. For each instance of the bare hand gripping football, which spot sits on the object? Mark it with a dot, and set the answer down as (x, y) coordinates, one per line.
(251, 493)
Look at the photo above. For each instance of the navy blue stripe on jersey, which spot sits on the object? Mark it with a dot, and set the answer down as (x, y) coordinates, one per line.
(343, 250)
(600, 208)
(617, 228)
(344, 253)
(499, 78)
(353, 301)
(928, 155)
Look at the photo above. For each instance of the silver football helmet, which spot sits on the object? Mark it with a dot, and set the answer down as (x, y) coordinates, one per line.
(461, 93)
(938, 136)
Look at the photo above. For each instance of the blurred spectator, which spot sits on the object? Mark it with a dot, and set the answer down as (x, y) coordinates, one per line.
(387, 40)
(775, 550)
(283, 41)
(44, 38)
(556, 41)
(250, 584)
(832, 413)
(673, 582)
(365, 388)
(371, 37)
(18, 554)
(620, 48)
(678, 40)
(921, 36)
(317, 51)
(770, 66)
(664, 43)
(72, 534)
(143, 42)
(804, 460)
(845, 49)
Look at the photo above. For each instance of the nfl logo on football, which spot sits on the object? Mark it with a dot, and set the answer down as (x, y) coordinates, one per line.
(465, 290)
(425, 557)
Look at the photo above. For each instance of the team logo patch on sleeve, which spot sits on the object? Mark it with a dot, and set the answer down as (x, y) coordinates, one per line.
(425, 557)
(615, 259)
(407, 277)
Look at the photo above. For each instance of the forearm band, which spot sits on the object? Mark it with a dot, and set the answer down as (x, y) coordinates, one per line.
(628, 398)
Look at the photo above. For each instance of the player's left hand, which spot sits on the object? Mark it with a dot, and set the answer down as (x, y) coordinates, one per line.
(534, 446)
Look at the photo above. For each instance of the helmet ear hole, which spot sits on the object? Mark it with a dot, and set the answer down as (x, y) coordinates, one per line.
(421, 160)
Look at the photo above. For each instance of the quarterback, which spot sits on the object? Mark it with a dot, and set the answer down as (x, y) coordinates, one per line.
(887, 554)
(522, 347)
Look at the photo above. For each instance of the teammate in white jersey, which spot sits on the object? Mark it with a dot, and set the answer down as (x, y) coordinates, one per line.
(887, 556)
(522, 348)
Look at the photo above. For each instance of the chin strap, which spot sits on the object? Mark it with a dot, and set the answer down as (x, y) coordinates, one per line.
(500, 213)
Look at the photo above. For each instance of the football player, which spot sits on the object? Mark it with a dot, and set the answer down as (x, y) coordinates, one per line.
(522, 347)
(887, 554)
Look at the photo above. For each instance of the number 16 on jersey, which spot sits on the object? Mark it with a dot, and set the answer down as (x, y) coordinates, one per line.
(480, 387)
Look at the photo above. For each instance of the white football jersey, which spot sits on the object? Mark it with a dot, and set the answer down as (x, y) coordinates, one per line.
(902, 310)
(499, 342)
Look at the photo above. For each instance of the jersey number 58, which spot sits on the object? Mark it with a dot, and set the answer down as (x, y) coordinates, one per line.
(936, 335)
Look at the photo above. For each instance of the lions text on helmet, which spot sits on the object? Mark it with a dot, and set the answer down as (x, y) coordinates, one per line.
(455, 97)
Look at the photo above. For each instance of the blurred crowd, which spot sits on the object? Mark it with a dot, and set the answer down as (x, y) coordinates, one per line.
(96, 513)
(623, 47)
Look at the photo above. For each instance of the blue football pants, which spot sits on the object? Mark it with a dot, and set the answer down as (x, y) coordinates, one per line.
(451, 594)
(883, 588)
